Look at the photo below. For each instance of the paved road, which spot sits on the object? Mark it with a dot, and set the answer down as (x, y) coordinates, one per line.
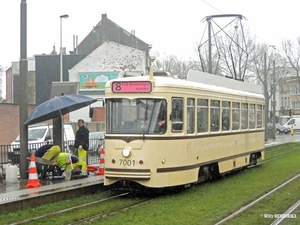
(283, 138)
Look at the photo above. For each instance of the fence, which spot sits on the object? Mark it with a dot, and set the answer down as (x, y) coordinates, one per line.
(10, 154)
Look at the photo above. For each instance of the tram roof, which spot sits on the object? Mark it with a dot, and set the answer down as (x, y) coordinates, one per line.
(203, 81)
(217, 80)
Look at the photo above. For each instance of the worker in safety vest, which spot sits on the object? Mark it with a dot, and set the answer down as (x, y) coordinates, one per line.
(82, 143)
(44, 157)
(48, 152)
(68, 162)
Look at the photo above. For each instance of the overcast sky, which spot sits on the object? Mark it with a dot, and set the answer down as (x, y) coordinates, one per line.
(171, 27)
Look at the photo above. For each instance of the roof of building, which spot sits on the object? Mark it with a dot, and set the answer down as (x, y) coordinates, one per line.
(107, 30)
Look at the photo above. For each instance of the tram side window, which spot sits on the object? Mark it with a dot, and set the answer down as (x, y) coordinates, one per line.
(214, 115)
(259, 123)
(162, 116)
(244, 116)
(190, 115)
(262, 116)
(235, 116)
(225, 115)
(177, 114)
(251, 116)
(202, 115)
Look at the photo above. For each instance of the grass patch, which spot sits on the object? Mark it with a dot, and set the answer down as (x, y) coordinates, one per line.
(45, 209)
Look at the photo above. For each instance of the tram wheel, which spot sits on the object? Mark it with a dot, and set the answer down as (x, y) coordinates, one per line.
(253, 159)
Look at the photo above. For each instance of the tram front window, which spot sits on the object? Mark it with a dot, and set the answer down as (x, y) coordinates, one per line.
(136, 116)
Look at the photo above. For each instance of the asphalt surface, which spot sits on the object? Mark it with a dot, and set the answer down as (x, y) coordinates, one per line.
(283, 138)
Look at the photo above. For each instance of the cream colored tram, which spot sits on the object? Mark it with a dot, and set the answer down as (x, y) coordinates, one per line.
(208, 130)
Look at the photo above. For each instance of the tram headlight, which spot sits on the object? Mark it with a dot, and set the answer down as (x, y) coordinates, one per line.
(126, 152)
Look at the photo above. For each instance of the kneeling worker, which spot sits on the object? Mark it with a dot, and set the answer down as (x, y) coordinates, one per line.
(67, 162)
(45, 156)
(48, 152)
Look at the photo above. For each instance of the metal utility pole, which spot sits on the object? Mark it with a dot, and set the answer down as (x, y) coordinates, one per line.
(58, 128)
(23, 93)
(209, 46)
(61, 48)
(266, 97)
(274, 101)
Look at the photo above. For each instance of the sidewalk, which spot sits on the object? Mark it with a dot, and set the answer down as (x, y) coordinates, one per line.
(283, 138)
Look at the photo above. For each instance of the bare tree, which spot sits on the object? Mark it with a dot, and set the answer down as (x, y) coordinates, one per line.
(174, 65)
(203, 52)
(268, 66)
(292, 53)
(235, 53)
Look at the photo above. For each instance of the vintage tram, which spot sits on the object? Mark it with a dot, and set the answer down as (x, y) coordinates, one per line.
(162, 131)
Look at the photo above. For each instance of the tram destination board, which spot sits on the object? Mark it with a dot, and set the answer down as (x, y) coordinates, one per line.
(131, 87)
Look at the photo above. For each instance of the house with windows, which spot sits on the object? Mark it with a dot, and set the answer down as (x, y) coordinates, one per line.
(289, 90)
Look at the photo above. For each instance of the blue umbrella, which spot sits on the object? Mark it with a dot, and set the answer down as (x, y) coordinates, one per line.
(58, 106)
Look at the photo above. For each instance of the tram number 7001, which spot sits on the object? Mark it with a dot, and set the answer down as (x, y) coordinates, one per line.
(126, 162)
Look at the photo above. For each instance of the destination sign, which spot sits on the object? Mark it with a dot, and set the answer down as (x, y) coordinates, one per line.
(131, 86)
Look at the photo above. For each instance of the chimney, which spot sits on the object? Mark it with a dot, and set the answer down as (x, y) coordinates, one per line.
(63, 50)
(104, 16)
(53, 51)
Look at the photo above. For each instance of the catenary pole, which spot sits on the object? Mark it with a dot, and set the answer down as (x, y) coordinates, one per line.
(23, 99)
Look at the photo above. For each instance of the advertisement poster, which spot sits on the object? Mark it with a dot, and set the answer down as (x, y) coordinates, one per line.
(95, 81)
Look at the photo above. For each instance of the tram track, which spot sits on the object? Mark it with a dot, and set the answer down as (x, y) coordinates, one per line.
(270, 153)
(101, 215)
(278, 157)
(287, 214)
(244, 208)
(290, 210)
(36, 218)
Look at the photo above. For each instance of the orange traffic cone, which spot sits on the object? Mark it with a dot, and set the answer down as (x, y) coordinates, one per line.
(33, 180)
(101, 168)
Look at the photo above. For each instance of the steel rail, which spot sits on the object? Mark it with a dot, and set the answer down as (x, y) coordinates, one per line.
(69, 209)
(256, 201)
